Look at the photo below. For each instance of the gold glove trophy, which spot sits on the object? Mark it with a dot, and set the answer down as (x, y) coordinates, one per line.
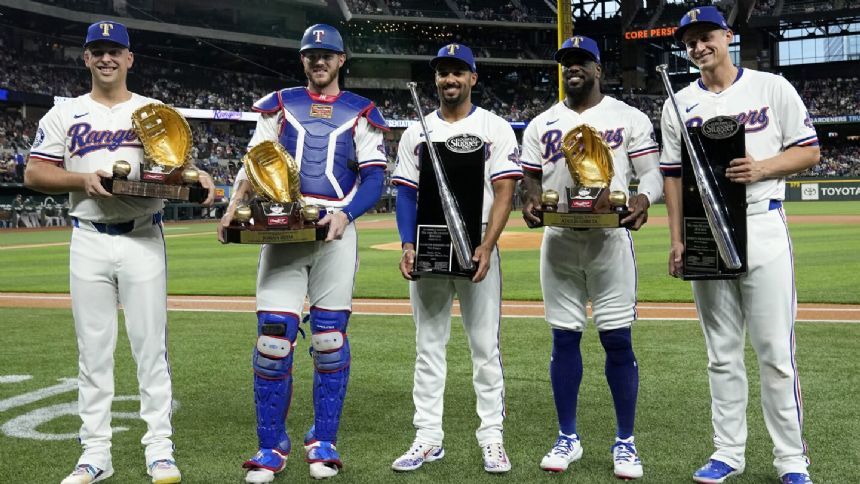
(588, 205)
(278, 213)
(167, 171)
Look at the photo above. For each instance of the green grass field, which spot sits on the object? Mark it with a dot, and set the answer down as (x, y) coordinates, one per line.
(215, 419)
(826, 263)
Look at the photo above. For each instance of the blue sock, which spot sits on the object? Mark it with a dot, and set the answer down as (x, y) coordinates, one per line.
(622, 374)
(565, 373)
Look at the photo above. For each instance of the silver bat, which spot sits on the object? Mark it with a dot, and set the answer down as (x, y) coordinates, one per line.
(453, 217)
(715, 211)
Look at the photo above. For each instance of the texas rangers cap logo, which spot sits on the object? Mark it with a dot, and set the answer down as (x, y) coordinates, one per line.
(106, 28)
(318, 36)
(576, 41)
(453, 48)
(694, 14)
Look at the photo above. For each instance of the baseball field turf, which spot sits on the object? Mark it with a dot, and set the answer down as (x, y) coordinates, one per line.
(210, 357)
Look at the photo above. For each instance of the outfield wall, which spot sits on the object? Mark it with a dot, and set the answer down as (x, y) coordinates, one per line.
(822, 189)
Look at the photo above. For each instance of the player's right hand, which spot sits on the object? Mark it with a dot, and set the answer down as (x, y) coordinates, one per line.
(529, 210)
(676, 259)
(226, 219)
(407, 261)
(93, 184)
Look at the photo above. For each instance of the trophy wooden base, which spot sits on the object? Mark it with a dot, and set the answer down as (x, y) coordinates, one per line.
(192, 193)
(249, 235)
(582, 220)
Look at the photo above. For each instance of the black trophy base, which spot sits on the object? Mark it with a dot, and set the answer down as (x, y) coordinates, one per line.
(582, 220)
(191, 193)
(434, 254)
(250, 235)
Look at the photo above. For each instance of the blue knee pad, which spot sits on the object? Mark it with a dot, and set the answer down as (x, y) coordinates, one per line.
(618, 344)
(273, 379)
(330, 350)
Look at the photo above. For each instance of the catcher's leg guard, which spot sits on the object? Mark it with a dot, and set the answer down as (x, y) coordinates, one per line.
(273, 377)
(330, 350)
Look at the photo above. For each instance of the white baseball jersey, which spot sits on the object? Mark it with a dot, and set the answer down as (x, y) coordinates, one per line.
(626, 130)
(499, 140)
(369, 151)
(768, 106)
(83, 136)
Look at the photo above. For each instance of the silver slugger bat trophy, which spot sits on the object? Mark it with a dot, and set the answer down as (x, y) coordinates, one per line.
(453, 216)
(715, 212)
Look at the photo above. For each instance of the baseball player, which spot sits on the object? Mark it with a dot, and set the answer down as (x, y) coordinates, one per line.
(480, 298)
(117, 254)
(596, 264)
(780, 141)
(336, 136)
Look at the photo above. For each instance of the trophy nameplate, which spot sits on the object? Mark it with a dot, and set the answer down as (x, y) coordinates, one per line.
(720, 140)
(277, 213)
(463, 162)
(166, 171)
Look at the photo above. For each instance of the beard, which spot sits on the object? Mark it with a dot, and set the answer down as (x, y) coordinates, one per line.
(454, 100)
(580, 92)
(320, 81)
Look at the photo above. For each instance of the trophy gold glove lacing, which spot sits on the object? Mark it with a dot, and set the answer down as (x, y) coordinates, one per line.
(273, 173)
(164, 133)
(589, 158)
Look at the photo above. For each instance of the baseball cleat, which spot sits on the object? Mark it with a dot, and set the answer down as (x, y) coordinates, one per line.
(324, 459)
(796, 478)
(566, 449)
(715, 472)
(164, 471)
(626, 461)
(86, 474)
(264, 465)
(417, 455)
(495, 458)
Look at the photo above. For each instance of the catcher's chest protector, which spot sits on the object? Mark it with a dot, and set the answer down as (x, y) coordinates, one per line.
(310, 126)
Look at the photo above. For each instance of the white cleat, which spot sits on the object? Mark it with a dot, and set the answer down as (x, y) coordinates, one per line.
(626, 459)
(86, 474)
(258, 475)
(495, 458)
(417, 455)
(567, 449)
(164, 471)
(323, 470)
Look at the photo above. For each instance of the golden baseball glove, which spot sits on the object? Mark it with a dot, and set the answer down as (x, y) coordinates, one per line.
(165, 134)
(273, 173)
(589, 158)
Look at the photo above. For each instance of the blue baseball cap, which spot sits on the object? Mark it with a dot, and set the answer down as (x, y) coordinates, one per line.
(700, 15)
(108, 30)
(322, 36)
(455, 51)
(578, 43)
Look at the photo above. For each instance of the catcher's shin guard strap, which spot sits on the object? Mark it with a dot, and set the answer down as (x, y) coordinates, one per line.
(273, 380)
(331, 370)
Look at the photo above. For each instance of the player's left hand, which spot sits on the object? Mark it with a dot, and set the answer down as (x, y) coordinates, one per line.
(638, 206)
(207, 183)
(745, 170)
(336, 223)
(482, 258)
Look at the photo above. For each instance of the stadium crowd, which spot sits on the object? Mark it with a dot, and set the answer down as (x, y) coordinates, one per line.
(467, 9)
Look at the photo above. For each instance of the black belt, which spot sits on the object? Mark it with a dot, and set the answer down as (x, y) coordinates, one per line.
(119, 228)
